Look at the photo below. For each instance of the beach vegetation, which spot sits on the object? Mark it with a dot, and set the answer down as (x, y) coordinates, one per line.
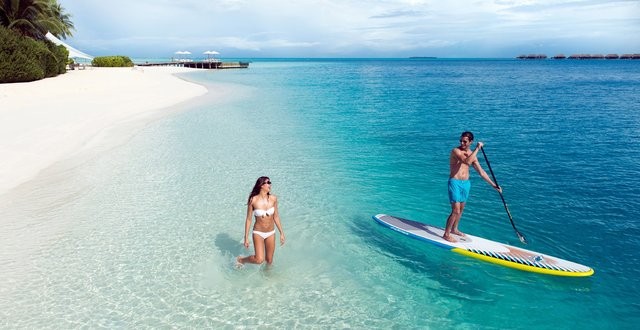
(61, 24)
(25, 52)
(60, 57)
(34, 18)
(26, 59)
(112, 61)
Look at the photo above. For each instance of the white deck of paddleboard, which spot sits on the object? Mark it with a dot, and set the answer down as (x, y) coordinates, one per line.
(479, 245)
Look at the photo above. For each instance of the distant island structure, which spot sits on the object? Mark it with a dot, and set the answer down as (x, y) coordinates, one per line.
(532, 57)
(423, 57)
(581, 57)
(184, 60)
(200, 64)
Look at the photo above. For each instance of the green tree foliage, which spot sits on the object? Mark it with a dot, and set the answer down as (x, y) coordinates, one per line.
(112, 61)
(25, 53)
(25, 59)
(61, 25)
(20, 57)
(62, 56)
(34, 18)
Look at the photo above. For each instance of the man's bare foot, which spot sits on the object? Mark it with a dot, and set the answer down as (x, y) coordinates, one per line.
(450, 239)
(459, 233)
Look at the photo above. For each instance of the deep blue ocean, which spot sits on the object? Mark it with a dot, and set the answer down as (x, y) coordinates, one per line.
(153, 226)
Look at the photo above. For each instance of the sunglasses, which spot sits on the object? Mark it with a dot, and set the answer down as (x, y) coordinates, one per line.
(267, 182)
(464, 141)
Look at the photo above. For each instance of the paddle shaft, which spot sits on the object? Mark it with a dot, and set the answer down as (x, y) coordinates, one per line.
(520, 236)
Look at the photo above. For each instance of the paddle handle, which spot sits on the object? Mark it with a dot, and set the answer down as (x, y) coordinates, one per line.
(506, 208)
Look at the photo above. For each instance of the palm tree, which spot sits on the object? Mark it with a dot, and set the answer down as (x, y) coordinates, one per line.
(60, 25)
(34, 18)
(24, 16)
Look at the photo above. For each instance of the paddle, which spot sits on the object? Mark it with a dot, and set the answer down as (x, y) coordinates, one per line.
(520, 236)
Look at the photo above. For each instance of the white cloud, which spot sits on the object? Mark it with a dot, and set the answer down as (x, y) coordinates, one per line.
(353, 27)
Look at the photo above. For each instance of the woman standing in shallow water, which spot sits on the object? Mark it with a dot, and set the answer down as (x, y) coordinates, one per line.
(264, 207)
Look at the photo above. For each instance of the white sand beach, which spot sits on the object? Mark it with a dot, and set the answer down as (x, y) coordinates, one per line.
(46, 121)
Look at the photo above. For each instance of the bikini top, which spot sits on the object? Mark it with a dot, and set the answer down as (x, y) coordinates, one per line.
(262, 213)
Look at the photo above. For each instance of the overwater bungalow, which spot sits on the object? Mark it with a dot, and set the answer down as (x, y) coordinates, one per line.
(532, 57)
(581, 57)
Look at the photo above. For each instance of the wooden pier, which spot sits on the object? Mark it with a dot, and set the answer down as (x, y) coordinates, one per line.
(201, 64)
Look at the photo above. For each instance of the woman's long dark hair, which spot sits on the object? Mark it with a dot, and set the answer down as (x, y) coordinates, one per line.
(256, 188)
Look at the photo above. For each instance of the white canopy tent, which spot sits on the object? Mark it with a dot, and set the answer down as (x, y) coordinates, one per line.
(211, 55)
(184, 57)
(73, 53)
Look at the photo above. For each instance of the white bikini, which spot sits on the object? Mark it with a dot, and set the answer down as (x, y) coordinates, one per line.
(264, 213)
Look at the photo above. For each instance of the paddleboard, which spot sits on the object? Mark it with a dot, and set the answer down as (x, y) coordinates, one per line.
(486, 250)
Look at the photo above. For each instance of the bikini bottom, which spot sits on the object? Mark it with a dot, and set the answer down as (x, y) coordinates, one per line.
(263, 234)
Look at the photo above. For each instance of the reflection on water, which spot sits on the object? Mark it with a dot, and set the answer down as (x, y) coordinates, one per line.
(146, 234)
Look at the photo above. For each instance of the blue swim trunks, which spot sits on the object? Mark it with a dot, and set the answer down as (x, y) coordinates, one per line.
(459, 190)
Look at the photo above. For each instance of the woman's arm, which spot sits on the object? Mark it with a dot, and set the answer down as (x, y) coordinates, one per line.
(276, 219)
(247, 223)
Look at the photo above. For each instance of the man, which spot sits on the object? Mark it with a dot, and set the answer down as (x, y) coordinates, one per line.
(459, 161)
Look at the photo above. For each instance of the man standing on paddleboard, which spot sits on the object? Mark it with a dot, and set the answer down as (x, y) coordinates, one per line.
(459, 185)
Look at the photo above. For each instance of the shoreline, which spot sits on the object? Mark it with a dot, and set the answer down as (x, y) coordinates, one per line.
(46, 121)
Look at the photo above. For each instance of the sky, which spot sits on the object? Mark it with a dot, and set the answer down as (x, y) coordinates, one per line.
(354, 28)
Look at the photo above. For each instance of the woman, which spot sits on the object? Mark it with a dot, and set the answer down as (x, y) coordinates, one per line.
(264, 207)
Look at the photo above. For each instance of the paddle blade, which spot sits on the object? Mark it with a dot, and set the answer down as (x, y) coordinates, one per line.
(522, 238)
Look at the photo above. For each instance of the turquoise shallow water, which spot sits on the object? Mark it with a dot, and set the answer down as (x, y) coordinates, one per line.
(145, 235)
